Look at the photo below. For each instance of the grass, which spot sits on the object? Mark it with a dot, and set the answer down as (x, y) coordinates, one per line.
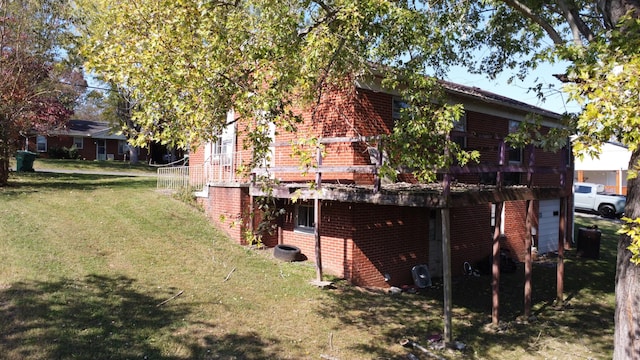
(88, 260)
(89, 165)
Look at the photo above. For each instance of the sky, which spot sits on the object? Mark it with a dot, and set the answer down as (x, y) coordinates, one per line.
(555, 99)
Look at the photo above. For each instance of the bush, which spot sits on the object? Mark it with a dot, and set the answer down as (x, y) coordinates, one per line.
(64, 153)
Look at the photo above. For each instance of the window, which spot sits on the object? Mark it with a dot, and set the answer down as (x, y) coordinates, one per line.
(460, 126)
(304, 216)
(123, 147)
(515, 154)
(397, 106)
(78, 142)
(581, 189)
(494, 217)
(41, 143)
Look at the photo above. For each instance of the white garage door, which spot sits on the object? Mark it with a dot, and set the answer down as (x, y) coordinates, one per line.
(548, 224)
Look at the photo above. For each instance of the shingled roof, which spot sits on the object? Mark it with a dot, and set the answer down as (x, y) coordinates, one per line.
(489, 97)
(89, 128)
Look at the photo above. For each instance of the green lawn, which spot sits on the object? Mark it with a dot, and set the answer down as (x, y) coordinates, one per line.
(89, 165)
(88, 262)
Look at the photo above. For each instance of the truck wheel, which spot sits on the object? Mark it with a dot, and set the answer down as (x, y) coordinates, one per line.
(607, 211)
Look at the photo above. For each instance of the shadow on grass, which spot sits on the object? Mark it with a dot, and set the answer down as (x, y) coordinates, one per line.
(103, 317)
(585, 320)
(93, 165)
(20, 183)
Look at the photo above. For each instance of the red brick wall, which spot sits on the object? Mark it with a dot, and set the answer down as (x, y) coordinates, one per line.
(515, 221)
(196, 157)
(362, 242)
(471, 237)
(227, 208)
(389, 240)
(336, 236)
(88, 151)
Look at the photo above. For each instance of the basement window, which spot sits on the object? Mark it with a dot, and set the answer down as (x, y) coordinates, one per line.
(304, 216)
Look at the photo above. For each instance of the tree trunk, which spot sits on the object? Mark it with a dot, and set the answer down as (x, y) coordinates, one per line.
(627, 316)
(4, 154)
(133, 154)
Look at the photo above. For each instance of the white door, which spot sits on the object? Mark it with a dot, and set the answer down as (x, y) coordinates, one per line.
(435, 243)
(101, 149)
(548, 225)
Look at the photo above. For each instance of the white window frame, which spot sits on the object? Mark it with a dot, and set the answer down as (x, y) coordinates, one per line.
(493, 218)
(304, 225)
(41, 140)
(78, 142)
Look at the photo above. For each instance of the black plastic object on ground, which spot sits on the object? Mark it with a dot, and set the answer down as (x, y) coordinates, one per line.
(589, 242)
(421, 277)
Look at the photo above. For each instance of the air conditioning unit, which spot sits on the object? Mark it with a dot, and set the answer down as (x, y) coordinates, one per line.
(110, 157)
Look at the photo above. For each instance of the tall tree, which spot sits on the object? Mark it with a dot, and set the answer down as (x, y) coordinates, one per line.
(119, 109)
(36, 92)
(601, 42)
(187, 62)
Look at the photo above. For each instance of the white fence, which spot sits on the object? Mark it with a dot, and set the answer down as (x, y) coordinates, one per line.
(218, 169)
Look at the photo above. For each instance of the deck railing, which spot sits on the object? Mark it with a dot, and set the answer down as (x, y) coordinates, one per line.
(218, 168)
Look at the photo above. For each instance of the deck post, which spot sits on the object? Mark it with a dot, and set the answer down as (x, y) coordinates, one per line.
(495, 267)
(528, 261)
(446, 258)
(561, 236)
(317, 204)
(446, 274)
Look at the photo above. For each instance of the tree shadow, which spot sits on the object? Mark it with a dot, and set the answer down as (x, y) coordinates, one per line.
(39, 182)
(419, 316)
(103, 317)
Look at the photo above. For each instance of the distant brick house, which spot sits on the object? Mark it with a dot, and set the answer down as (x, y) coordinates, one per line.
(374, 234)
(93, 140)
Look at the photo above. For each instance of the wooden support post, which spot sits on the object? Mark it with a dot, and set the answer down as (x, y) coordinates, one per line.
(528, 262)
(502, 156)
(316, 216)
(561, 236)
(532, 163)
(495, 268)
(446, 274)
(376, 178)
(446, 257)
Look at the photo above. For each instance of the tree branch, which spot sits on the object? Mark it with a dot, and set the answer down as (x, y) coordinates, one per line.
(528, 13)
(578, 27)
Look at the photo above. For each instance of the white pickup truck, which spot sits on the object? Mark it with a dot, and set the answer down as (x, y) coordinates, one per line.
(591, 197)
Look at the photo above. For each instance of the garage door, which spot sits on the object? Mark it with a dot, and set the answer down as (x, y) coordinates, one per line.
(548, 224)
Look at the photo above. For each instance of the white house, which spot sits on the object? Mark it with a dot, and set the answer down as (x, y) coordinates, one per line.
(610, 168)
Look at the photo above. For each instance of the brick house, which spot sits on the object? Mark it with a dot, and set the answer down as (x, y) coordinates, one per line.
(94, 140)
(373, 233)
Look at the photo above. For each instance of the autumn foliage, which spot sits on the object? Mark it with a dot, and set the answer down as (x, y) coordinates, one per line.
(37, 93)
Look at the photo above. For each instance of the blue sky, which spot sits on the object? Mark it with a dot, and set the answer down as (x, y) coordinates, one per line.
(555, 99)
